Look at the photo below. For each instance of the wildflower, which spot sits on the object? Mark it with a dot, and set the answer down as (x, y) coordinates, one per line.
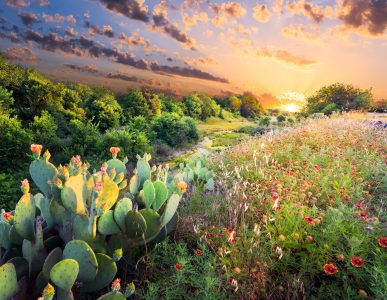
(363, 216)
(116, 285)
(182, 186)
(383, 242)
(309, 238)
(330, 269)
(7, 216)
(346, 198)
(237, 270)
(98, 186)
(274, 195)
(231, 236)
(309, 220)
(363, 293)
(36, 149)
(77, 160)
(25, 183)
(114, 150)
(178, 266)
(281, 237)
(317, 168)
(357, 262)
(199, 252)
(296, 235)
(340, 257)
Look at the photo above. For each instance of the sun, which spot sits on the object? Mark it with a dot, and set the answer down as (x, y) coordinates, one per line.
(291, 107)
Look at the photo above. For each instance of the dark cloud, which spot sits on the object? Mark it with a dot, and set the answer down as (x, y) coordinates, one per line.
(85, 68)
(106, 30)
(28, 18)
(185, 72)
(17, 3)
(368, 14)
(132, 9)
(129, 78)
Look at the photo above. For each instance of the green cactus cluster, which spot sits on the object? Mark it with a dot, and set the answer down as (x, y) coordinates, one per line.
(197, 172)
(81, 224)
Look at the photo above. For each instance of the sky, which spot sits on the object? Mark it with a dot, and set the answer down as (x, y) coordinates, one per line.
(281, 51)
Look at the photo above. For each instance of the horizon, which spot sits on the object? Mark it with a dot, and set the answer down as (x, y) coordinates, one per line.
(280, 51)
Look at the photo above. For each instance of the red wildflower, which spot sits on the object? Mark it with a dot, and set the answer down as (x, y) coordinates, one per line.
(383, 242)
(178, 267)
(346, 198)
(363, 216)
(330, 269)
(357, 262)
(114, 150)
(309, 238)
(199, 252)
(309, 220)
(318, 168)
(8, 216)
(274, 195)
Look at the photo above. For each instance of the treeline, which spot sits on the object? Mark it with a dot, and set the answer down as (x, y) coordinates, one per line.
(74, 118)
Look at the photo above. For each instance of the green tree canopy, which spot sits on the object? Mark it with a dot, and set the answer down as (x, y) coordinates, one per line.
(250, 106)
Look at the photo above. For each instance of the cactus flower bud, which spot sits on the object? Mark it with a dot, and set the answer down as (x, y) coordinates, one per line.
(48, 292)
(116, 285)
(103, 171)
(117, 255)
(36, 149)
(114, 151)
(98, 186)
(7, 216)
(130, 289)
(25, 186)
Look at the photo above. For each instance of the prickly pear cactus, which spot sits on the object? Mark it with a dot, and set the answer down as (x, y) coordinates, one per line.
(64, 273)
(8, 282)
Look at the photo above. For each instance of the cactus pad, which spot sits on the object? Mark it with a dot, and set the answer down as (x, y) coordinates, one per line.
(74, 194)
(107, 225)
(112, 296)
(134, 184)
(107, 270)
(21, 266)
(149, 193)
(108, 196)
(84, 255)
(25, 216)
(143, 168)
(5, 241)
(8, 281)
(153, 222)
(53, 258)
(135, 224)
(121, 209)
(43, 204)
(170, 209)
(161, 194)
(116, 164)
(42, 172)
(64, 273)
(35, 258)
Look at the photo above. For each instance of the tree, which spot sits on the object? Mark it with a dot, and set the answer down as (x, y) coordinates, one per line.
(169, 104)
(106, 111)
(6, 101)
(250, 106)
(193, 106)
(281, 118)
(44, 130)
(344, 96)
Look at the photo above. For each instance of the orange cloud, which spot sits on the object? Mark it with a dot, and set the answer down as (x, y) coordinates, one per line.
(262, 13)
(314, 12)
(224, 11)
(285, 56)
(299, 32)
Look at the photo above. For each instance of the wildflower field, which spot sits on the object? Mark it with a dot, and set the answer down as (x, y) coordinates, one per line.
(298, 213)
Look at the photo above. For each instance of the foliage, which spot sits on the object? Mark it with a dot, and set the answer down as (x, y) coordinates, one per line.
(45, 130)
(345, 97)
(281, 118)
(200, 106)
(264, 121)
(9, 187)
(15, 142)
(175, 130)
(106, 111)
(250, 106)
(6, 101)
(171, 105)
(291, 202)
(196, 279)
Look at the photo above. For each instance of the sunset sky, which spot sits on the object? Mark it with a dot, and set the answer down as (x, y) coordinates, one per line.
(281, 51)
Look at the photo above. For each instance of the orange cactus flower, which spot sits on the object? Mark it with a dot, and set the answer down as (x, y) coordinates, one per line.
(116, 285)
(114, 150)
(8, 216)
(36, 148)
(330, 269)
(182, 186)
(25, 183)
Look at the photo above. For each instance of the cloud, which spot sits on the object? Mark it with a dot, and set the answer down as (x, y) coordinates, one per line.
(28, 18)
(71, 31)
(240, 29)
(299, 32)
(43, 2)
(285, 56)
(17, 3)
(185, 72)
(22, 54)
(132, 9)
(224, 11)
(194, 19)
(57, 18)
(277, 6)
(262, 13)
(106, 30)
(364, 16)
(134, 40)
(161, 22)
(86, 68)
(131, 78)
(314, 12)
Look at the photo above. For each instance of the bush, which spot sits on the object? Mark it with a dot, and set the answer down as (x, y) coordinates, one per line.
(174, 130)
(9, 187)
(265, 121)
(6, 101)
(15, 143)
(131, 142)
(281, 118)
(44, 131)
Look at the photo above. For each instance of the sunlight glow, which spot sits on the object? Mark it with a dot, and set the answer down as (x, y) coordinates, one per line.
(291, 107)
